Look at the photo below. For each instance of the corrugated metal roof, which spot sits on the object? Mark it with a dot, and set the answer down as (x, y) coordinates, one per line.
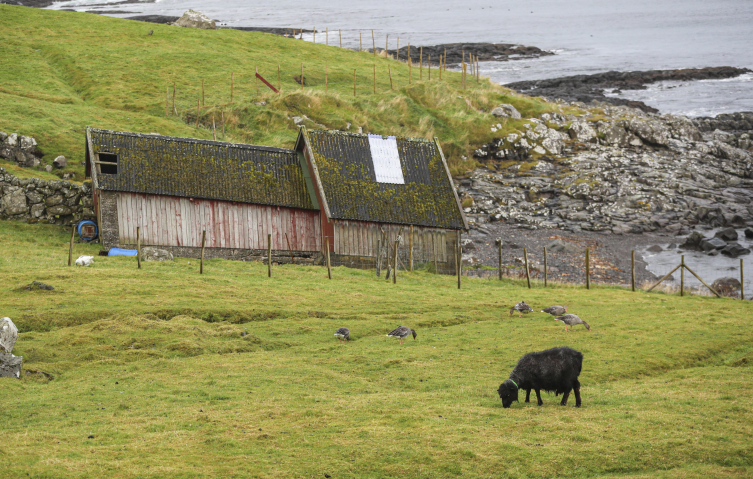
(163, 165)
(351, 189)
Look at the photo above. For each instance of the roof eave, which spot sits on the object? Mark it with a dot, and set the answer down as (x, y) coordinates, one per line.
(452, 184)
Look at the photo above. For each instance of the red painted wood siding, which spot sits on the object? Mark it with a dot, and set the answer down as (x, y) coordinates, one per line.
(174, 221)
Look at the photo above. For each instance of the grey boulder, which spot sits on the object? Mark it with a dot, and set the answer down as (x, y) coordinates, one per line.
(559, 246)
(194, 19)
(712, 244)
(14, 203)
(727, 234)
(507, 111)
(733, 250)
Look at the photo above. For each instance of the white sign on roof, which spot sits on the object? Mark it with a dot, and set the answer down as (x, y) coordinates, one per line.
(386, 159)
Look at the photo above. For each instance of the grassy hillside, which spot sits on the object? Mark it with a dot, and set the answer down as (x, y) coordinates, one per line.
(233, 374)
(65, 70)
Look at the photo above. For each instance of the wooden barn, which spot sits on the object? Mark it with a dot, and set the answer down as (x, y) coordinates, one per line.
(356, 193)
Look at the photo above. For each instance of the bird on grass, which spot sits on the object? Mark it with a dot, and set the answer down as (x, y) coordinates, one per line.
(521, 308)
(150, 32)
(402, 332)
(555, 310)
(571, 320)
(8, 334)
(343, 334)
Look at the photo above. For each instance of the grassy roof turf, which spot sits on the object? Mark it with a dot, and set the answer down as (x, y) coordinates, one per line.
(346, 170)
(186, 167)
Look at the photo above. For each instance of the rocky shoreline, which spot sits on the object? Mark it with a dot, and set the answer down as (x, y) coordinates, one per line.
(587, 88)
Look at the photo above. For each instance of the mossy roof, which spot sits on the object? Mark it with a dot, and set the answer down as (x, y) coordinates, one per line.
(162, 165)
(346, 172)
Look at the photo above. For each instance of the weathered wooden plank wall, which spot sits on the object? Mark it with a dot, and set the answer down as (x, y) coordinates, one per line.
(174, 221)
(359, 238)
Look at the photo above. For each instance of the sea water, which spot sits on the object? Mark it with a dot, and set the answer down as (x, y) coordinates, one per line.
(588, 37)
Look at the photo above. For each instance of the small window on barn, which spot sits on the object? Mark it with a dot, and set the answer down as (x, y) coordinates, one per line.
(108, 163)
(386, 159)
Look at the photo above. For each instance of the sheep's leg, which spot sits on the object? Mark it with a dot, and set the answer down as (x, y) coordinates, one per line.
(565, 395)
(576, 388)
(528, 395)
(538, 396)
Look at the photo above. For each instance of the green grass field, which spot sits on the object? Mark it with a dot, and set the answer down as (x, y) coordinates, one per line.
(67, 70)
(233, 374)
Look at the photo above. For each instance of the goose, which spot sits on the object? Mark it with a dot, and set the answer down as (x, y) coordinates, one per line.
(8, 334)
(571, 320)
(521, 308)
(402, 332)
(555, 310)
(343, 334)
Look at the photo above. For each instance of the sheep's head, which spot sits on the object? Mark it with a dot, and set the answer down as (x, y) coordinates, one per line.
(508, 392)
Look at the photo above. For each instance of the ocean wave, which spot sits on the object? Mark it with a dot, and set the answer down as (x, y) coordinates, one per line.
(745, 77)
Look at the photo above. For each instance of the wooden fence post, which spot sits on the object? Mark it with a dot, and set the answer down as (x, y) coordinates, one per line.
(269, 255)
(411, 251)
(326, 251)
(341, 37)
(545, 267)
(389, 68)
(203, 242)
(632, 270)
(138, 246)
(525, 260)
(588, 270)
(459, 262)
(394, 263)
(379, 259)
(742, 281)
(682, 275)
(70, 248)
(499, 264)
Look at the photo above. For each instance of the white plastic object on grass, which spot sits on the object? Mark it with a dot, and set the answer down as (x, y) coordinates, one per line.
(84, 260)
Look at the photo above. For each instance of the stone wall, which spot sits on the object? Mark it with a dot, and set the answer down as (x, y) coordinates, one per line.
(21, 149)
(38, 201)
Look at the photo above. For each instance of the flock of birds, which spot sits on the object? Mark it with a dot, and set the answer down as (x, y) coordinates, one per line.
(559, 312)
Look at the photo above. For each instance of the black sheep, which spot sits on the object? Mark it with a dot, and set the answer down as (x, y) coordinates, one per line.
(554, 370)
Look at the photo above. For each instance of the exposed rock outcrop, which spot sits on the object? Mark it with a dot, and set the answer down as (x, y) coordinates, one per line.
(619, 170)
(194, 19)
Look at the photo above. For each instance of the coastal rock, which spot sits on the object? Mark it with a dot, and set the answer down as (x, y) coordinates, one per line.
(194, 19)
(559, 246)
(506, 111)
(734, 250)
(727, 234)
(729, 287)
(748, 232)
(581, 131)
(712, 244)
